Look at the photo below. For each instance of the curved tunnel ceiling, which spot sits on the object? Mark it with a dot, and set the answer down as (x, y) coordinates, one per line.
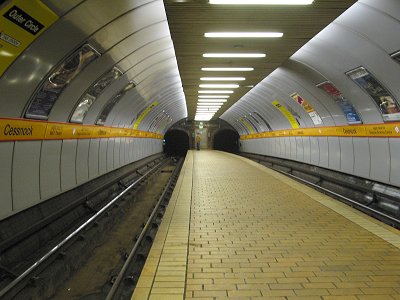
(189, 20)
(349, 44)
(132, 37)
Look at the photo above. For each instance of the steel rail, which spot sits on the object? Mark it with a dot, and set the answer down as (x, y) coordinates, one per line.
(125, 267)
(345, 199)
(45, 257)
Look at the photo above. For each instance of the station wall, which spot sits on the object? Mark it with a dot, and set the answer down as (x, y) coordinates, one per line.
(366, 35)
(132, 48)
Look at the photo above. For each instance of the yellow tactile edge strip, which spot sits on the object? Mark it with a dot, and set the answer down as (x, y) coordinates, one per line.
(364, 221)
(164, 273)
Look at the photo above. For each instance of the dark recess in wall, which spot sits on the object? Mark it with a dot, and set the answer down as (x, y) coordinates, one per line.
(226, 140)
(176, 143)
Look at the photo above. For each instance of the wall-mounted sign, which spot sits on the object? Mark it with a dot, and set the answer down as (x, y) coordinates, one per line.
(51, 88)
(386, 103)
(21, 22)
(101, 119)
(348, 110)
(292, 120)
(143, 114)
(308, 108)
(86, 101)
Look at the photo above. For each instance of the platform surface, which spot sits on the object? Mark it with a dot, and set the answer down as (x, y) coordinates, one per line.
(235, 229)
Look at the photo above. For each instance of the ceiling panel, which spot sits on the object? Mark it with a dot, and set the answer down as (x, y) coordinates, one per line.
(190, 19)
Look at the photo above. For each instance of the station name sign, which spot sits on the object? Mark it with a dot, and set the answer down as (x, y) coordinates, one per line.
(23, 20)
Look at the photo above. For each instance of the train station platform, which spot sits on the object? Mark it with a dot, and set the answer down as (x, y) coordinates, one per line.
(235, 229)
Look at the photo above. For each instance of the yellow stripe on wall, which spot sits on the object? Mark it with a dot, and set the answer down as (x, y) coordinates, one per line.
(250, 128)
(287, 114)
(25, 130)
(372, 130)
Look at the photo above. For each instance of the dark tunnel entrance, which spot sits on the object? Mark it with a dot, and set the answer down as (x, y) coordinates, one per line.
(176, 143)
(226, 140)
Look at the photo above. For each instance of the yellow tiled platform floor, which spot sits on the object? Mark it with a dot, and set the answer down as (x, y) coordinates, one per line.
(235, 229)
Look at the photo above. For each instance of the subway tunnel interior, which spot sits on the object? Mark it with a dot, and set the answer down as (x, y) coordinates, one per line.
(226, 140)
(176, 143)
(90, 88)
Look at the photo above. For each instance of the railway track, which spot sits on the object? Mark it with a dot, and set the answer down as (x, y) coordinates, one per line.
(108, 247)
(374, 199)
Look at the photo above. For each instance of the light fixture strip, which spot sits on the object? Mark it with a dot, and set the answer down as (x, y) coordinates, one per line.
(209, 104)
(222, 78)
(211, 100)
(215, 92)
(217, 86)
(263, 2)
(233, 55)
(213, 96)
(243, 34)
(228, 69)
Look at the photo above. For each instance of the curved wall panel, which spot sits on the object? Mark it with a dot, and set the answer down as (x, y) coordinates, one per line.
(132, 36)
(364, 36)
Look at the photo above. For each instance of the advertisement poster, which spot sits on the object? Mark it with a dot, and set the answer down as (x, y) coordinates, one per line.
(64, 73)
(248, 120)
(263, 119)
(21, 22)
(101, 119)
(348, 110)
(292, 120)
(308, 108)
(86, 101)
(384, 100)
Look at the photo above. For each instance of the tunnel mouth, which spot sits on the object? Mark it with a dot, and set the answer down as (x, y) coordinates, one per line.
(176, 143)
(226, 140)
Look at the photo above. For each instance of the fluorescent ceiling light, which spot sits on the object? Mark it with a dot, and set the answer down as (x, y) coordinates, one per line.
(209, 104)
(207, 110)
(213, 96)
(222, 78)
(215, 92)
(211, 100)
(264, 2)
(209, 107)
(227, 69)
(223, 86)
(243, 34)
(203, 118)
(239, 55)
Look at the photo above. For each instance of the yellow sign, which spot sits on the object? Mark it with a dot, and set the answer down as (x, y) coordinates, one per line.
(391, 130)
(250, 128)
(144, 114)
(21, 22)
(21, 129)
(286, 114)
